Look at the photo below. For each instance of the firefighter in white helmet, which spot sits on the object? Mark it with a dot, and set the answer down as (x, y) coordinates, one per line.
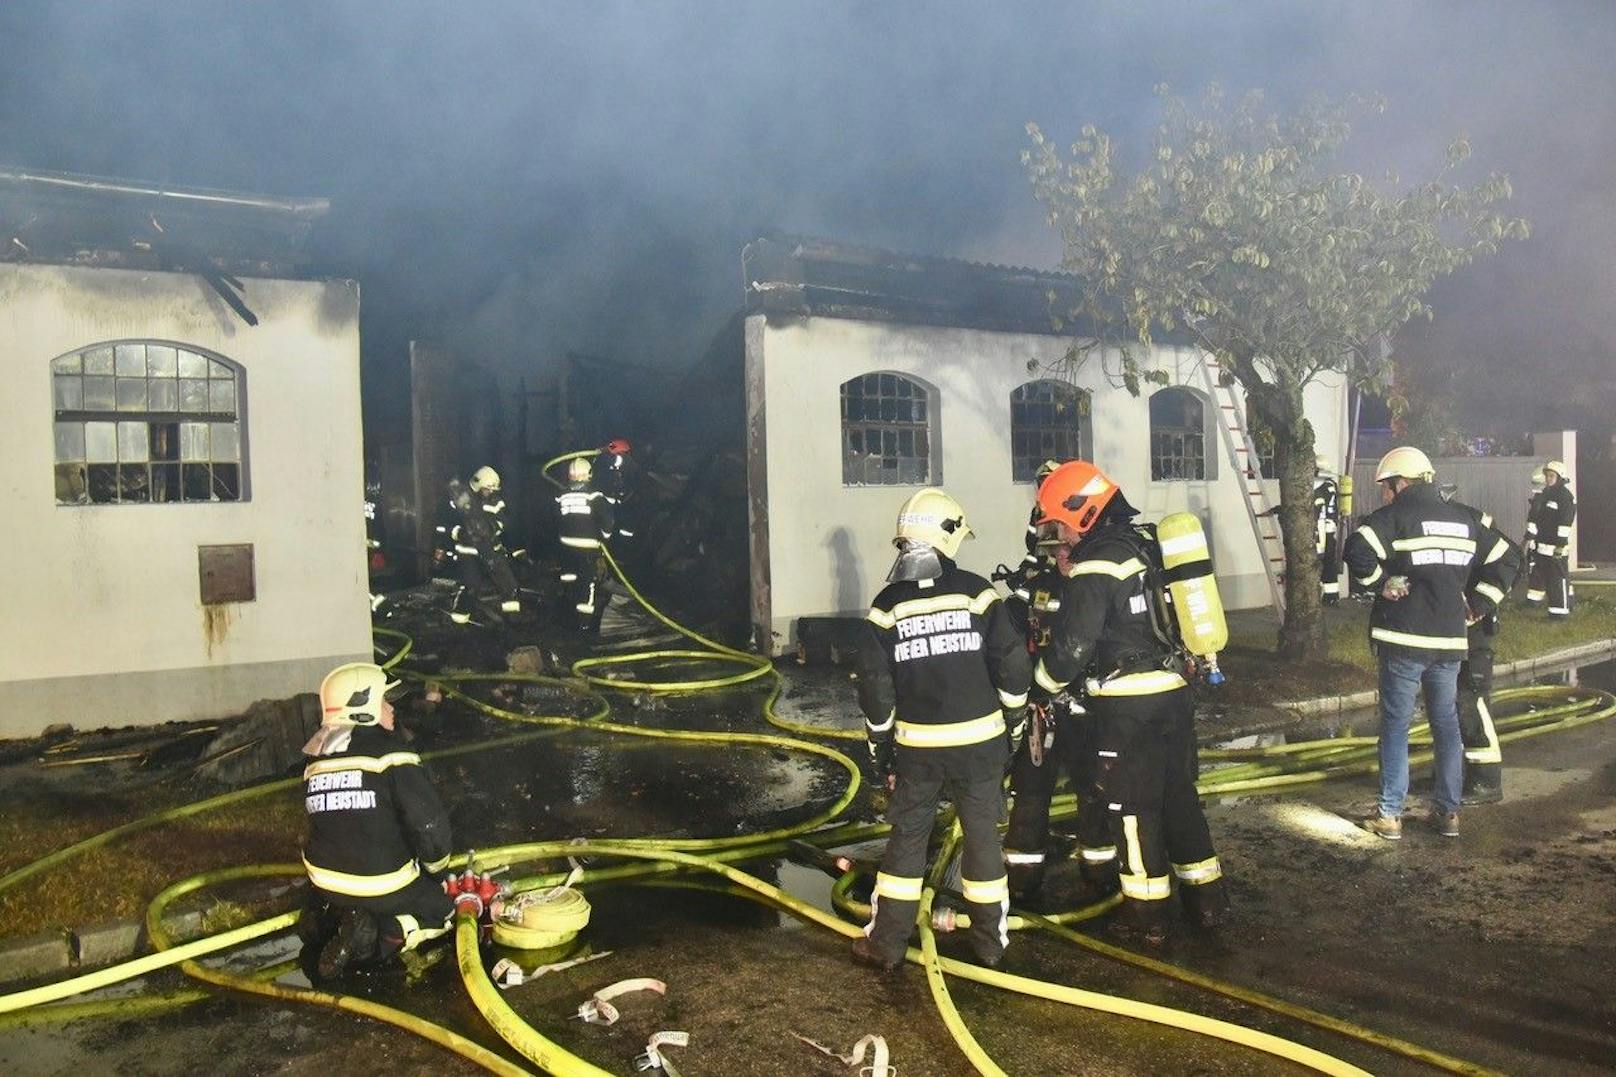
(377, 832)
(584, 524)
(1548, 536)
(479, 547)
(1326, 528)
(943, 679)
(1436, 567)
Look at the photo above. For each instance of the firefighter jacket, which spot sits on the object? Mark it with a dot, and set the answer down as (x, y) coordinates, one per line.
(1499, 574)
(614, 476)
(482, 523)
(1326, 514)
(375, 822)
(938, 660)
(1454, 563)
(1548, 521)
(585, 517)
(1107, 630)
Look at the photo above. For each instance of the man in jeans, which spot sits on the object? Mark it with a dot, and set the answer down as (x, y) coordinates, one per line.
(1435, 567)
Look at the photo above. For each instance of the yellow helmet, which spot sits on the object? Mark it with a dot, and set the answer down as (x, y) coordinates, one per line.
(1539, 480)
(580, 469)
(485, 480)
(352, 694)
(934, 518)
(1405, 462)
(1556, 466)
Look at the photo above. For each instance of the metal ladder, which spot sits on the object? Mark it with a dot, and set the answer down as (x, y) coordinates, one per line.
(1243, 455)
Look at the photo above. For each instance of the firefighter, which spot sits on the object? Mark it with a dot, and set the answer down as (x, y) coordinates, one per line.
(585, 524)
(1436, 566)
(1326, 529)
(478, 542)
(377, 832)
(1483, 759)
(1111, 639)
(1038, 560)
(1548, 533)
(616, 476)
(939, 665)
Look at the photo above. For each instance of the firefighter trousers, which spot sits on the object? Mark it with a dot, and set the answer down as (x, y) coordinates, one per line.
(972, 776)
(1066, 746)
(582, 585)
(1549, 580)
(479, 573)
(409, 916)
(1330, 568)
(1146, 768)
(1483, 759)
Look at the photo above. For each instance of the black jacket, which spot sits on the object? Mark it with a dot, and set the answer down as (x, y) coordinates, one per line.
(1105, 632)
(1326, 513)
(1549, 519)
(375, 822)
(1453, 560)
(938, 660)
(585, 517)
(1499, 573)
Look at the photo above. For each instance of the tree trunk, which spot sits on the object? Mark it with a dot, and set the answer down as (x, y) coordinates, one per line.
(1301, 636)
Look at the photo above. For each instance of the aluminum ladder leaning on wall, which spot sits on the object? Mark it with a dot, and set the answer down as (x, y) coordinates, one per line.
(1243, 456)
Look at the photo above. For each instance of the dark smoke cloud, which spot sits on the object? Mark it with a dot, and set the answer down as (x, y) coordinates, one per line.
(525, 179)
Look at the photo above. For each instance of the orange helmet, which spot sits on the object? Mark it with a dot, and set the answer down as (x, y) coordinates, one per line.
(1075, 494)
(619, 446)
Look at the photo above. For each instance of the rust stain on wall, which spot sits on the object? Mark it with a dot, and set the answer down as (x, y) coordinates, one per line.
(216, 625)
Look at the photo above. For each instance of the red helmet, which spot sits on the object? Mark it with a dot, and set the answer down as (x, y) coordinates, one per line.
(1075, 494)
(619, 446)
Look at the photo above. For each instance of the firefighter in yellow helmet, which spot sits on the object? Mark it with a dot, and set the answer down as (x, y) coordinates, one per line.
(479, 547)
(1110, 639)
(1548, 532)
(940, 669)
(377, 832)
(584, 524)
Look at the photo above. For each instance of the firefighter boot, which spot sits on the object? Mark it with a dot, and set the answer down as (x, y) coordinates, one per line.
(1206, 905)
(1141, 922)
(1483, 783)
(1026, 873)
(1100, 878)
(316, 925)
(354, 943)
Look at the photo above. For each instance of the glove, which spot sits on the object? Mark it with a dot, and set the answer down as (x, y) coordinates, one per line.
(881, 760)
(1015, 720)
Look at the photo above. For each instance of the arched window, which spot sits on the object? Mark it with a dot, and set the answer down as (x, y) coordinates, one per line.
(139, 422)
(888, 430)
(1049, 420)
(1178, 436)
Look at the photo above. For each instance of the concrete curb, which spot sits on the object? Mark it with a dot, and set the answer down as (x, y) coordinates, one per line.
(1308, 708)
(67, 950)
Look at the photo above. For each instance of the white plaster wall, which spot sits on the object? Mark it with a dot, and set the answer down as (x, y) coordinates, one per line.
(95, 594)
(830, 545)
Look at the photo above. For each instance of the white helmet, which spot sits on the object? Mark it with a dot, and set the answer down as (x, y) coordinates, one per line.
(1556, 466)
(579, 470)
(934, 518)
(1405, 462)
(352, 694)
(1539, 481)
(485, 480)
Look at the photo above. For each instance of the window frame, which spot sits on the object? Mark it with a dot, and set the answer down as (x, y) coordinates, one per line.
(1083, 447)
(928, 427)
(1208, 457)
(175, 451)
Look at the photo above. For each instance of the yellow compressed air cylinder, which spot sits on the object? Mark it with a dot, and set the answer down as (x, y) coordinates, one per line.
(1194, 589)
(1343, 496)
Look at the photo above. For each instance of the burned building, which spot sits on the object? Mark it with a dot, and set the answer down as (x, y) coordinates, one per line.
(180, 460)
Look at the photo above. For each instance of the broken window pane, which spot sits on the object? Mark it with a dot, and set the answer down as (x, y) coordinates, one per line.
(70, 441)
(193, 365)
(69, 392)
(198, 483)
(131, 394)
(161, 360)
(222, 396)
(165, 441)
(98, 394)
(131, 360)
(132, 443)
(226, 443)
(193, 395)
(226, 482)
(165, 482)
(133, 483)
(165, 395)
(193, 442)
(101, 443)
(70, 485)
(103, 484)
(98, 361)
(68, 364)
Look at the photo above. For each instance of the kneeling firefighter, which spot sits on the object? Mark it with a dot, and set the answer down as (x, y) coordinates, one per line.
(939, 665)
(1117, 630)
(377, 832)
(585, 523)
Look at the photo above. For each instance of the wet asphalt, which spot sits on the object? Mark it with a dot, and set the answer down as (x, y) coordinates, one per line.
(1495, 947)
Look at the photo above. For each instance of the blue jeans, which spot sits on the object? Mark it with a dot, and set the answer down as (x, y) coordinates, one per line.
(1401, 680)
